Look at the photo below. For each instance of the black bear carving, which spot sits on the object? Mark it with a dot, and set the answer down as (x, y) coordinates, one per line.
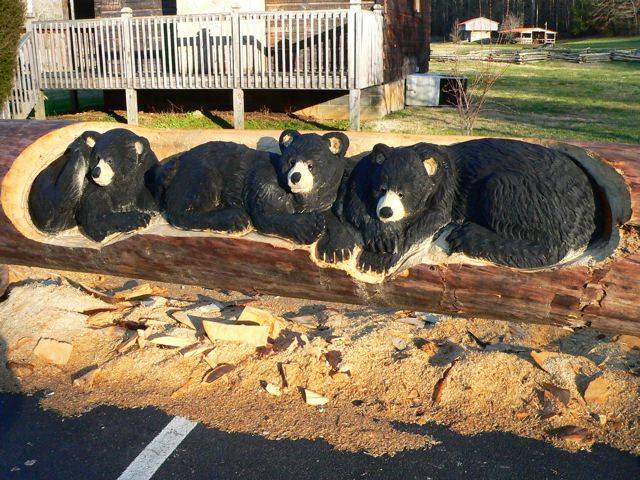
(509, 202)
(102, 184)
(226, 187)
(513, 203)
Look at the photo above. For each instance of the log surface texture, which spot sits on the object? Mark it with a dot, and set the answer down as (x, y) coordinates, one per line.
(605, 297)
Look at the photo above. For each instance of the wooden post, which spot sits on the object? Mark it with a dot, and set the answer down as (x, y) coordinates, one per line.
(354, 47)
(354, 109)
(238, 109)
(75, 102)
(131, 96)
(39, 108)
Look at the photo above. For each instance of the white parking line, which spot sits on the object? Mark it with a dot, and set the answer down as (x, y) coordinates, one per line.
(154, 454)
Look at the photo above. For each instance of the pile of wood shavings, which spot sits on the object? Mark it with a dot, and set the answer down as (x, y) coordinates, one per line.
(353, 376)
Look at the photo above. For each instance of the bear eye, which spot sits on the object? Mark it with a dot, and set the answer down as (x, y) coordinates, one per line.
(310, 166)
(383, 190)
(400, 194)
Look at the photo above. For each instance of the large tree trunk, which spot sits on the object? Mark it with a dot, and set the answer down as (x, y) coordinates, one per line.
(604, 296)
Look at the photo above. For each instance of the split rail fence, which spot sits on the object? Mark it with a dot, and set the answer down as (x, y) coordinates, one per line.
(305, 50)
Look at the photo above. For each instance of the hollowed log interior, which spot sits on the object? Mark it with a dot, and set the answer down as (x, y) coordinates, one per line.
(599, 288)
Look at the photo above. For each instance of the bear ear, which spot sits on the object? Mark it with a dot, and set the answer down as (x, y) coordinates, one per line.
(431, 166)
(139, 146)
(91, 138)
(286, 138)
(380, 153)
(338, 143)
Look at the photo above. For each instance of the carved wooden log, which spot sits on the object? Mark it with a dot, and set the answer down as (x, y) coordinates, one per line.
(605, 296)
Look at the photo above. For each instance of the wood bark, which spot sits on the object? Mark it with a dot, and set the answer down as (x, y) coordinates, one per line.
(604, 296)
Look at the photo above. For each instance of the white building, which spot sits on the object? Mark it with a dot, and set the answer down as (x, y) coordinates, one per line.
(477, 29)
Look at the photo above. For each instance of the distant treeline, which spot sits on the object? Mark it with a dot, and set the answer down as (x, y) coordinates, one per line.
(569, 17)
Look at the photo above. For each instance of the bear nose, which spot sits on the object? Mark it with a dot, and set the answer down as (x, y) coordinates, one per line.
(386, 212)
(295, 177)
(95, 173)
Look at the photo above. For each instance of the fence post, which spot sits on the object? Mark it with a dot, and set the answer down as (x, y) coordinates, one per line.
(131, 95)
(354, 46)
(238, 93)
(34, 73)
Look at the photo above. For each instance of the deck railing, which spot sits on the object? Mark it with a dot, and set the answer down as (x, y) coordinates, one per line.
(332, 49)
(25, 92)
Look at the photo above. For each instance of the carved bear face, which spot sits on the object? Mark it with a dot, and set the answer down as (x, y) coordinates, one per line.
(312, 165)
(403, 180)
(119, 156)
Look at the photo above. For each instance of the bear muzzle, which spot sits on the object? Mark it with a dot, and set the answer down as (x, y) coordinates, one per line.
(390, 208)
(300, 179)
(102, 173)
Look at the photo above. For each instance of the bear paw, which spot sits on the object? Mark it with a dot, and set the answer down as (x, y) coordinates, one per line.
(468, 238)
(332, 249)
(376, 262)
(306, 228)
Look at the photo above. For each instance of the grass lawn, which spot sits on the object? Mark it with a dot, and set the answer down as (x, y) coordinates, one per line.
(551, 99)
(610, 43)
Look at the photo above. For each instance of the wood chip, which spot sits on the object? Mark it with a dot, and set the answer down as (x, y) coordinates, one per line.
(416, 322)
(142, 290)
(255, 335)
(563, 395)
(572, 433)
(430, 348)
(262, 317)
(20, 369)
(272, 389)
(104, 318)
(87, 380)
(333, 359)
(127, 344)
(310, 321)
(170, 341)
(209, 310)
(598, 391)
(21, 342)
(540, 358)
(314, 398)
(53, 351)
(184, 319)
(629, 341)
(92, 291)
(154, 302)
(218, 372)
(436, 396)
(522, 415)
(398, 344)
(195, 350)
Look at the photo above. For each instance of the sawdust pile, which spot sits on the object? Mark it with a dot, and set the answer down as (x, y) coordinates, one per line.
(286, 368)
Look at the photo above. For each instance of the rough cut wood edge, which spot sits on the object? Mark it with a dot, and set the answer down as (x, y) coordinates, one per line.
(604, 296)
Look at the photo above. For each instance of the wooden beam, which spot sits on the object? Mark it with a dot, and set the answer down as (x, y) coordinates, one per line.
(132, 106)
(605, 296)
(238, 109)
(39, 110)
(354, 109)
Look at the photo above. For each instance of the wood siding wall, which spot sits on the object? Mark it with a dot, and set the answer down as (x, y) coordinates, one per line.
(407, 31)
(111, 8)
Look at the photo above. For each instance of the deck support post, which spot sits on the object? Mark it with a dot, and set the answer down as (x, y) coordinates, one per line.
(75, 102)
(238, 109)
(354, 109)
(131, 96)
(39, 107)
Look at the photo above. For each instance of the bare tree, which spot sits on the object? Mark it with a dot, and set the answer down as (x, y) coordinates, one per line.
(510, 23)
(455, 36)
(470, 89)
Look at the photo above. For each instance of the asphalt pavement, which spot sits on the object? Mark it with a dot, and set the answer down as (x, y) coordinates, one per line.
(103, 443)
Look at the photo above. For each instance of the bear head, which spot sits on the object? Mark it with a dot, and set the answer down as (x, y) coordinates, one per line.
(312, 165)
(119, 157)
(405, 181)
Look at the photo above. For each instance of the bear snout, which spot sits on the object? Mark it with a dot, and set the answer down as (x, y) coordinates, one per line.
(102, 173)
(390, 207)
(300, 178)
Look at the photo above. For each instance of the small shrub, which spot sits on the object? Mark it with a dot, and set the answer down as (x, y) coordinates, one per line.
(11, 26)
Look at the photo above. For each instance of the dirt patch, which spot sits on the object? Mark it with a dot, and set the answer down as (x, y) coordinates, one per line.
(378, 369)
